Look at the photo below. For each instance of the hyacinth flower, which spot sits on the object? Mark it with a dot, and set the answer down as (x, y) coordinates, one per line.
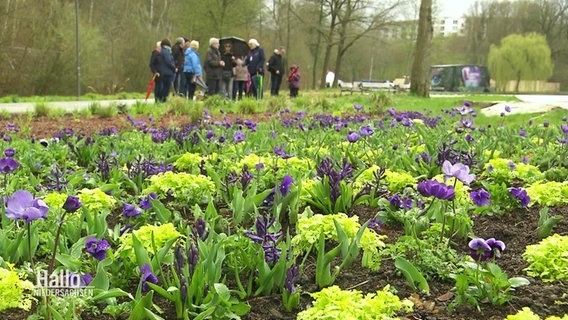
(459, 171)
(482, 250)
(200, 230)
(97, 248)
(147, 276)
(267, 240)
(290, 296)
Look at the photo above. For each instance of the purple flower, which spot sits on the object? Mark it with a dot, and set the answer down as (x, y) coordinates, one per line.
(459, 171)
(482, 250)
(281, 153)
(507, 108)
(222, 139)
(366, 131)
(97, 248)
(147, 276)
(357, 107)
(22, 205)
(292, 277)
(200, 229)
(273, 134)
(523, 133)
(564, 128)
(8, 165)
(146, 203)
(125, 228)
(285, 185)
(433, 188)
(259, 166)
(238, 137)
(469, 138)
(10, 152)
(375, 224)
(352, 137)
(480, 197)
(130, 210)
(546, 124)
(512, 165)
(72, 204)
(524, 159)
(210, 134)
(521, 195)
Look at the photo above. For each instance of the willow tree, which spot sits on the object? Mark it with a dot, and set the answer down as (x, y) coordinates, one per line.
(520, 57)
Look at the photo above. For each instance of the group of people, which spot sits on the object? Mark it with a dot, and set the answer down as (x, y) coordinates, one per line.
(227, 75)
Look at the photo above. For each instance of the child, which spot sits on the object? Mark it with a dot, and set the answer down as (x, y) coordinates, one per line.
(294, 80)
(241, 76)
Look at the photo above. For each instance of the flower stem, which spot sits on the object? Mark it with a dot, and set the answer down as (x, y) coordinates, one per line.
(30, 244)
(55, 245)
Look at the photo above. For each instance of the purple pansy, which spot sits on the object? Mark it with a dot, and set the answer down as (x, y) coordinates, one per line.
(130, 210)
(8, 165)
(521, 195)
(239, 137)
(97, 248)
(433, 188)
(480, 197)
(352, 137)
(147, 276)
(146, 203)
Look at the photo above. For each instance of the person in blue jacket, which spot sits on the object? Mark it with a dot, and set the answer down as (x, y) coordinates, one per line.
(192, 68)
(166, 71)
(255, 63)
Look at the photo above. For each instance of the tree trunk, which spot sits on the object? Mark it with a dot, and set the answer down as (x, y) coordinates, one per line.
(420, 76)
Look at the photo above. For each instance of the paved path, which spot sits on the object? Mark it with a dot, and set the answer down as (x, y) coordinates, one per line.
(529, 104)
(25, 107)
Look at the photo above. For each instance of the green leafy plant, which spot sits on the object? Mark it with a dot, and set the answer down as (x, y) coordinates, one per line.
(549, 193)
(546, 223)
(335, 303)
(14, 290)
(527, 314)
(543, 259)
(183, 187)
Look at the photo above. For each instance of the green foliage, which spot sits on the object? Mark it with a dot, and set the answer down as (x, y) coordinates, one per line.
(412, 275)
(41, 109)
(14, 291)
(484, 283)
(520, 57)
(310, 229)
(334, 303)
(558, 174)
(106, 112)
(546, 223)
(544, 261)
(247, 106)
(185, 188)
(548, 193)
(96, 199)
(150, 236)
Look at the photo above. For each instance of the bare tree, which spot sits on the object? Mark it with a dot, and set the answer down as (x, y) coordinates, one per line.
(420, 76)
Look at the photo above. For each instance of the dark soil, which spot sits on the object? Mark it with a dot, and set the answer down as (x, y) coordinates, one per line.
(517, 229)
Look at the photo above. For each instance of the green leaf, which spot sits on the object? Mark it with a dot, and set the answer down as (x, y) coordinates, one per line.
(112, 293)
(518, 282)
(412, 274)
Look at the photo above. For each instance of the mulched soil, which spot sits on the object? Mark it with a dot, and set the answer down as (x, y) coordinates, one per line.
(517, 229)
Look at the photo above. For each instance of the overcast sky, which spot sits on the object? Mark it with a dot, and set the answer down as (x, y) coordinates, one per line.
(454, 8)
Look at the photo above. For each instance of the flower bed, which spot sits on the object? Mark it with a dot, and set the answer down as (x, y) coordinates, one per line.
(229, 219)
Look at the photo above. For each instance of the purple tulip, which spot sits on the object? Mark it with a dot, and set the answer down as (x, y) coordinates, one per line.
(433, 188)
(352, 137)
(366, 131)
(22, 205)
(72, 204)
